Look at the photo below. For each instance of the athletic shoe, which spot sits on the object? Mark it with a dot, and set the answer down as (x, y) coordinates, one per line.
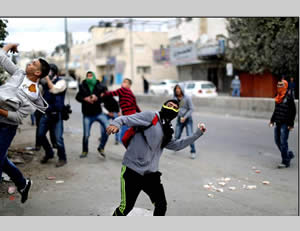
(283, 166)
(45, 159)
(83, 154)
(60, 163)
(24, 192)
(101, 152)
(193, 155)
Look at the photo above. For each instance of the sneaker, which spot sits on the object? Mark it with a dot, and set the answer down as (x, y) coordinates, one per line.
(101, 152)
(45, 160)
(24, 192)
(283, 166)
(193, 155)
(60, 163)
(83, 154)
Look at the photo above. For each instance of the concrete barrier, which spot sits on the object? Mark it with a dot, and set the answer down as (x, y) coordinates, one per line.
(224, 105)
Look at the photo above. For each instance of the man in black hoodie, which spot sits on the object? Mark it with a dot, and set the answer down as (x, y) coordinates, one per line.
(89, 96)
(283, 116)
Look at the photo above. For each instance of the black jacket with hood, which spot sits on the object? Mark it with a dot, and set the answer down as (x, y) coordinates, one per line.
(84, 91)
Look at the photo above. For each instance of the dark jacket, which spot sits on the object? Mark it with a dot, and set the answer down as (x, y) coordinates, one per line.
(84, 91)
(111, 104)
(55, 101)
(285, 112)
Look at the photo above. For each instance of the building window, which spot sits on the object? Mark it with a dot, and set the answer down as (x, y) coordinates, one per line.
(143, 70)
(139, 48)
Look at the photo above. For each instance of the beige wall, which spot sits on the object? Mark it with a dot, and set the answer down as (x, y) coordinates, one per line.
(116, 42)
(193, 30)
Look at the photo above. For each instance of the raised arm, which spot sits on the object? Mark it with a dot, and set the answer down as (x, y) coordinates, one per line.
(138, 119)
(186, 141)
(5, 62)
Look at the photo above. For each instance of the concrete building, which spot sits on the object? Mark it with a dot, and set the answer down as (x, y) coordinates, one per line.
(197, 48)
(114, 53)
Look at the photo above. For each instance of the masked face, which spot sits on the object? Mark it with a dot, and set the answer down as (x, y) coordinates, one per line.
(30, 88)
(169, 111)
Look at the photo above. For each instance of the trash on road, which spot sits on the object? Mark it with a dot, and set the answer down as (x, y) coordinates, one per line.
(51, 177)
(257, 171)
(210, 195)
(60, 182)
(5, 177)
(17, 160)
(266, 182)
(220, 190)
(222, 183)
(232, 188)
(11, 190)
(29, 149)
(207, 186)
(28, 153)
(251, 187)
(227, 179)
(12, 198)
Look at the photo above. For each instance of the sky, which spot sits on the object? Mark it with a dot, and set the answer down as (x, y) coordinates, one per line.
(46, 33)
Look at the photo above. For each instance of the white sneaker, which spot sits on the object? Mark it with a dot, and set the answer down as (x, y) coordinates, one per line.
(193, 155)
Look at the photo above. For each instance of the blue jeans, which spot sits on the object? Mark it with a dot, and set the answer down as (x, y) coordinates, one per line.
(281, 135)
(7, 133)
(47, 123)
(87, 124)
(236, 92)
(117, 135)
(188, 124)
(124, 128)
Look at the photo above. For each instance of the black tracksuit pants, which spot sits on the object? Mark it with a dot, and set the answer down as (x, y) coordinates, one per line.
(133, 183)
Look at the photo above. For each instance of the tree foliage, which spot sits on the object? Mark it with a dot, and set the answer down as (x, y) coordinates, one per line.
(264, 44)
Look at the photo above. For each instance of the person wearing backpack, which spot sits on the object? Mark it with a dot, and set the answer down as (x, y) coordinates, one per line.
(184, 118)
(54, 93)
(140, 170)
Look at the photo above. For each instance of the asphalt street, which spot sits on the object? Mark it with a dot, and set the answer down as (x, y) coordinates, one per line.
(239, 149)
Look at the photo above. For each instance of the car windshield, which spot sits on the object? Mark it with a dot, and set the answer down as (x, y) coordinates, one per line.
(190, 86)
(207, 86)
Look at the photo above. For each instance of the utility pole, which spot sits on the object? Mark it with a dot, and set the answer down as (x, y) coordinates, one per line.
(67, 48)
(131, 49)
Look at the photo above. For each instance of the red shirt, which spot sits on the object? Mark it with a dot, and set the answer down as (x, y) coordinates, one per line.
(127, 100)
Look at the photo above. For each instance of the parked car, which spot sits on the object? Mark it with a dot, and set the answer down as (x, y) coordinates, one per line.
(164, 87)
(200, 88)
(71, 83)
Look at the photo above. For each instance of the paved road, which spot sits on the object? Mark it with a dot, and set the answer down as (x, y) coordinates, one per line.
(231, 147)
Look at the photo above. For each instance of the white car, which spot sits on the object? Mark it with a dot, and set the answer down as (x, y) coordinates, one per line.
(164, 87)
(71, 83)
(200, 89)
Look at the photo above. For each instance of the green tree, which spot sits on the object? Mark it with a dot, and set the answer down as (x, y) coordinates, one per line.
(3, 34)
(264, 44)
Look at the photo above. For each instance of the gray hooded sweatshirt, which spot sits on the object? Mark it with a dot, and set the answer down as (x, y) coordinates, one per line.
(185, 104)
(13, 99)
(143, 155)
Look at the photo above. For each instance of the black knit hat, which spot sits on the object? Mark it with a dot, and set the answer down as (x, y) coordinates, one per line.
(173, 101)
(45, 68)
